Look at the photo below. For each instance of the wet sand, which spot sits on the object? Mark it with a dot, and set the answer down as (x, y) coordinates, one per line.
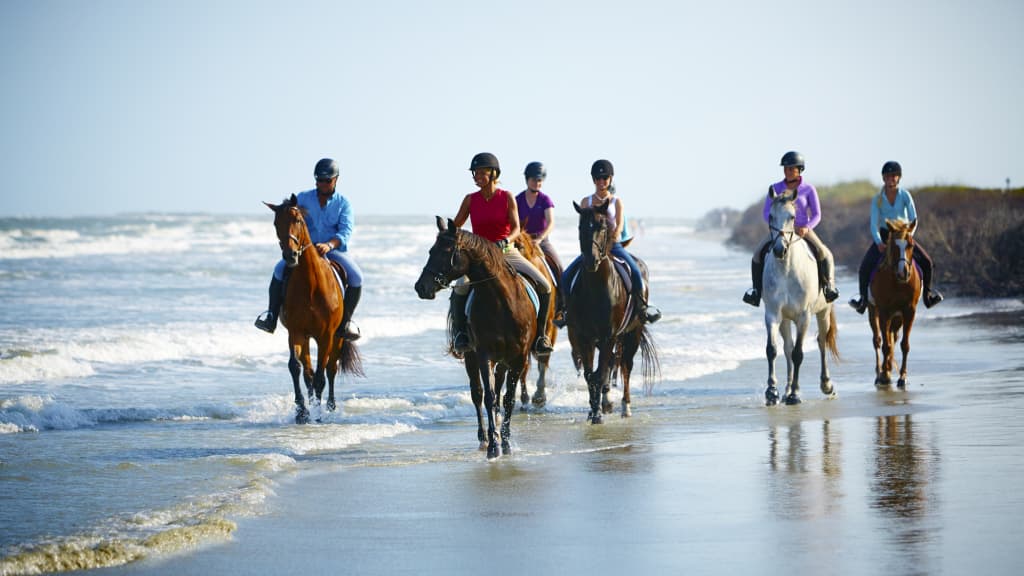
(925, 481)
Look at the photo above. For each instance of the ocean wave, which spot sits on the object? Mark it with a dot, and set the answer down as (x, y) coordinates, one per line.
(34, 413)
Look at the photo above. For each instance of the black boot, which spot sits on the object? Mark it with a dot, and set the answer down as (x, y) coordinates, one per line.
(647, 314)
(542, 344)
(457, 311)
(932, 297)
(753, 296)
(268, 320)
(828, 286)
(347, 330)
(559, 319)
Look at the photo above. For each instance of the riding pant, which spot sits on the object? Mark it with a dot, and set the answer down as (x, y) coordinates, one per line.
(352, 270)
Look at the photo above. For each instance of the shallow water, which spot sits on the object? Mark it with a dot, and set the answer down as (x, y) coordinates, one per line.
(142, 415)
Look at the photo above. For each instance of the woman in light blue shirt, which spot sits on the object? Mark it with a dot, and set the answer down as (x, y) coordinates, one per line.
(892, 203)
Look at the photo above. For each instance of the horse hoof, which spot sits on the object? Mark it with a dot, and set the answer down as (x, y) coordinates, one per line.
(607, 407)
(539, 400)
(331, 406)
(595, 418)
(302, 417)
(506, 448)
(793, 400)
(902, 383)
(492, 451)
(827, 389)
(771, 397)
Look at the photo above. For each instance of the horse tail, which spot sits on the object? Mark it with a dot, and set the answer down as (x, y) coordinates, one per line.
(351, 360)
(650, 366)
(830, 336)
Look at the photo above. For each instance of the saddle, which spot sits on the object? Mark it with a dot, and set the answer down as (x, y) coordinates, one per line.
(531, 291)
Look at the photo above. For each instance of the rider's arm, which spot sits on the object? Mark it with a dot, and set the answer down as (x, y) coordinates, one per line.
(813, 207)
(876, 218)
(911, 209)
(619, 217)
(346, 223)
(463, 214)
(513, 219)
(549, 217)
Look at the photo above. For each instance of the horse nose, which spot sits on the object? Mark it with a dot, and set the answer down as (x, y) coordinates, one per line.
(779, 250)
(422, 291)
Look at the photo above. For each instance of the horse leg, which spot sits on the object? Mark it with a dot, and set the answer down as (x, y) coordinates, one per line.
(598, 389)
(332, 372)
(301, 413)
(630, 346)
(500, 373)
(886, 327)
(824, 325)
(540, 396)
(908, 322)
(793, 390)
(476, 392)
(876, 340)
(786, 328)
(771, 393)
(513, 377)
(487, 379)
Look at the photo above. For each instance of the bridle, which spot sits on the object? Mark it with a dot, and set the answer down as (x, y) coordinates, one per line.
(440, 279)
(594, 229)
(297, 251)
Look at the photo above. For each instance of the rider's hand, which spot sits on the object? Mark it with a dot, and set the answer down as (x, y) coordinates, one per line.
(801, 231)
(323, 248)
(881, 246)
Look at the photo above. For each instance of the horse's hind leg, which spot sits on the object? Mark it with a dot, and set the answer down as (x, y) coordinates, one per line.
(476, 393)
(823, 327)
(908, 322)
(540, 395)
(627, 356)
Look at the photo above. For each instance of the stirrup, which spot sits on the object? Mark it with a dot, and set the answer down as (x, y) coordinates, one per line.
(346, 332)
(266, 322)
(931, 298)
(859, 304)
(542, 345)
(651, 314)
(831, 294)
(752, 297)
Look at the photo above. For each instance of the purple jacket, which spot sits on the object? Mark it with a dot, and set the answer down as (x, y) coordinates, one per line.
(808, 212)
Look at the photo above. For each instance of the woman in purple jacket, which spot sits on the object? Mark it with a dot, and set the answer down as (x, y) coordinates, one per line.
(537, 216)
(808, 214)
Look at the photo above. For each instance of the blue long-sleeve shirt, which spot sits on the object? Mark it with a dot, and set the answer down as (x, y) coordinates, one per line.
(808, 210)
(333, 220)
(902, 209)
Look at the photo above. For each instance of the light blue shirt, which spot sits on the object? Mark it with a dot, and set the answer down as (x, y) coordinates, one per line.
(902, 209)
(333, 220)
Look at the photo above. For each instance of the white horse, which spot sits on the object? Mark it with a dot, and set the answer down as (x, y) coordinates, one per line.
(791, 296)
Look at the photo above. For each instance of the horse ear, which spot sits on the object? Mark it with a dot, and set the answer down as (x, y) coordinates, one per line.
(577, 207)
(293, 200)
(451, 225)
(272, 207)
(440, 223)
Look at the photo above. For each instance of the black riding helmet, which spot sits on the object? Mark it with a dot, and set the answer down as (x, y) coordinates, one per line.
(892, 167)
(486, 160)
(793, 158)
(325, 169)
(602, 169)
(535, 170)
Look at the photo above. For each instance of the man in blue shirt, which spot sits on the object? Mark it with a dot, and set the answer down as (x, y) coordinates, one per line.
(328, 216)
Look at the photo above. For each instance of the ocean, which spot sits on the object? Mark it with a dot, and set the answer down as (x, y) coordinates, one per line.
(142, 414)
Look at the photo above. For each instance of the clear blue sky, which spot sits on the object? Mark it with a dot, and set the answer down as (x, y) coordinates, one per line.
(112, 106)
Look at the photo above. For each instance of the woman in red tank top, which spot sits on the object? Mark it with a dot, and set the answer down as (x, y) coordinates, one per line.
(493, 214)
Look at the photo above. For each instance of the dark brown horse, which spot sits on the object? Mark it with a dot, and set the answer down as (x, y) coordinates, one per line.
(894, 292)
(312, 308)
(502, 323)
(598, 319)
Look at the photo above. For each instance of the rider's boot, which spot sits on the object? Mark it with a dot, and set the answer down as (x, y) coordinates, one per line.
(647, 313)
(860, 303)
(460, 339)
(753, 296)
(347, 330)
(932, 297)
(542, 345)
(559, 319)
(827, 273)
(268, 320)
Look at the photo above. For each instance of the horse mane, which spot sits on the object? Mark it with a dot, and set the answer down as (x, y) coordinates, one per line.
(487, 251)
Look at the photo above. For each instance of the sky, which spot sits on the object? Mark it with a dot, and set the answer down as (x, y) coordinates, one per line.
(126, 106)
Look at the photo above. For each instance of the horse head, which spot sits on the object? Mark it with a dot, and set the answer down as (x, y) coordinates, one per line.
(445, 262)
(899, 249)
(595, 235)
(292, 234)
(781, 222)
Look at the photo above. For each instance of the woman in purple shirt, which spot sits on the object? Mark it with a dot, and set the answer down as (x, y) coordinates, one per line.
(537, 216)
(808, 214)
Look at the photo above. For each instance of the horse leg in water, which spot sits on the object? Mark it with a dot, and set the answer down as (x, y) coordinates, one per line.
(598, 381)
(771, 393)
(500, 373)
(332, 372)
(876, 340)
(540, 396)
(295, 367)
(630, 344)
(824, 325)
(786, 329)
(908, 322)
(514, 376)
(476, 392)
(613, 378)
(487, 380)
(793, 390)
(887, 325)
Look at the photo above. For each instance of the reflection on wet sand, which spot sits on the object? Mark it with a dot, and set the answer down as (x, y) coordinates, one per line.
(901, 479)
(804, 482)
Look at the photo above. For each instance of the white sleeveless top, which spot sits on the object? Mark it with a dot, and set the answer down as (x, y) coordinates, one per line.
(612, 214)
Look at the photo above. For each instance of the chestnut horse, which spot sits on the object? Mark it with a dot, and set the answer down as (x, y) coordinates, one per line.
(502, 323)
(894, 292)
(598, 320)
(792, 295)
(312, 308)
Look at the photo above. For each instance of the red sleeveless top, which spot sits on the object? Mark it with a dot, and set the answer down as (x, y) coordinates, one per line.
(489, 218)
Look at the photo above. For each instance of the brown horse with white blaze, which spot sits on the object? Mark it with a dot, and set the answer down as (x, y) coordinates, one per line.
(312, 308)
(892, 304)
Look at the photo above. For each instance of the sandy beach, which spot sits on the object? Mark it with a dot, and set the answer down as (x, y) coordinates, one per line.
(918, 482)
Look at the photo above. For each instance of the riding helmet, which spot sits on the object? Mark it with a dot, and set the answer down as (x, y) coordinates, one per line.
(602, 169)
(535, 170)
(486, 160)
(892, 167)
(325, 169)
(793, 158)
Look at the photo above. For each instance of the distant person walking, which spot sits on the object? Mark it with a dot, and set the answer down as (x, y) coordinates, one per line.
(893, 202)
(808, 215)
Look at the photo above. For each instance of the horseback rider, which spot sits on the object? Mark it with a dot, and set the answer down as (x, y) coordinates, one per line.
(328, 216)
(537, 216)
(493, 215)
(808, 214)
(892, 203)
(602, 172)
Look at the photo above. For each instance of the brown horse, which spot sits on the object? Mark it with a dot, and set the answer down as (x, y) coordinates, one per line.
(598, 321)
(894, 292)
(502, 323)
(312, 308)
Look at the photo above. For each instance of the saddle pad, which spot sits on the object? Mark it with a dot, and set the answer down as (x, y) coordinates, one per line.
(530, 291)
